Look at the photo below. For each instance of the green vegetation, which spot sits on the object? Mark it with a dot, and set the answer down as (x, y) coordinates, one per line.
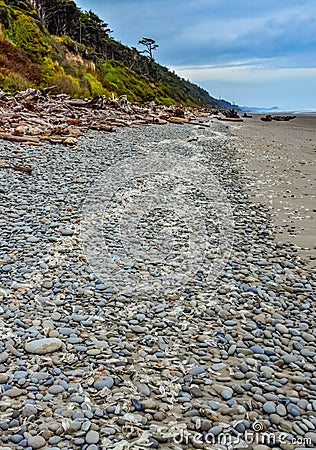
(24, 33)
(13, 82)
(119, 79)
(47, 43)
(94, 86)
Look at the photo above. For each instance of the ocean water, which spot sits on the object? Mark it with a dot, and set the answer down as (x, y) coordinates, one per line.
(281, 111)
(309, 112)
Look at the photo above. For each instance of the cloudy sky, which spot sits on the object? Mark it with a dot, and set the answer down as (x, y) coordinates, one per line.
(251, 52)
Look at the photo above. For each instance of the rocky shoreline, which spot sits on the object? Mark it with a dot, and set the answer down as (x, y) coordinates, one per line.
(85, 365)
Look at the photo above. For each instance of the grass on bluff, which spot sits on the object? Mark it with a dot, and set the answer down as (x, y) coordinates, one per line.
(32, 57)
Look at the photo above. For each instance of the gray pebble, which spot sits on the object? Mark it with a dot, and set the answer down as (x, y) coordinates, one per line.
(226, 394)
(213, 405)
(105, 382)
(312, 436)
(143, 389)
(198, 371)
(215, 431)
(308, 337)
(293, 410)
(230, 323)
(232, 349)
(281, 410)
(196, 392)
(29, 410)
(43, 346)
(269, 408)
(66, 231)
(36, 442)
(219, 366)
(55, 389)
(257, 350)
(92, 437)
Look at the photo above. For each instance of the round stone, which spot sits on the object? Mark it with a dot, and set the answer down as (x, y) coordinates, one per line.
(143, 389)
(66, 231)
(226, 394)
(257, 350)
(55, 389)
(281, 328)
(215, 431)
(218, 366)
(198, 371)
(269, 408)
(294, 410)
(281, 410)
(159, 416)
(43, 346)
(92, 437)
(308, 337)
(213, 405)
(36, 442)
(29, 410)
(232, 349)
(230, 323)
(16, 438)
(105, 382)
(311, 435)
(196, 392)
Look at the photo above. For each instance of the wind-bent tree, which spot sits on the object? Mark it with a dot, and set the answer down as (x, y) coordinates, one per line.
(150, 45)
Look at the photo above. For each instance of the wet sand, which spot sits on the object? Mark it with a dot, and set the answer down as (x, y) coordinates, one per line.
(278, 160)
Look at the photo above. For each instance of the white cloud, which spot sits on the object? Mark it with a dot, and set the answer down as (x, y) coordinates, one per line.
(242, 72)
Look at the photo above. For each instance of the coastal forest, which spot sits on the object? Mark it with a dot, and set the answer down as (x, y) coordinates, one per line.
(53, 43)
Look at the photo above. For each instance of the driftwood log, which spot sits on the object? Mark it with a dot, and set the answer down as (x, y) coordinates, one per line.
(231, 119)
(269, 118)
(31, 117)
(230, 115)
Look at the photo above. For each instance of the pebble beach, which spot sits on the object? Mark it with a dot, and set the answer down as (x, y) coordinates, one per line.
(154, 293)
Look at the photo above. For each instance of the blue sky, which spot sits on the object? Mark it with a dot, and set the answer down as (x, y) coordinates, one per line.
(251, 52)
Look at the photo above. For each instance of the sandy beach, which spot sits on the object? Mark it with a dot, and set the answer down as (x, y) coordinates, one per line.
(278, 163)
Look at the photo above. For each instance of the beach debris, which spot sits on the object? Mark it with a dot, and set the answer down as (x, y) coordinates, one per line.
(178, 120)
(136, 405)
(231, 119)
(22, 169)
(31, 117)
(230, 115)
(269, 118)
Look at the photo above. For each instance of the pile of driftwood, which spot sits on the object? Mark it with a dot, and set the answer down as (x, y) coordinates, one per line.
(231, 115)
(31, 117)
(269, 118)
